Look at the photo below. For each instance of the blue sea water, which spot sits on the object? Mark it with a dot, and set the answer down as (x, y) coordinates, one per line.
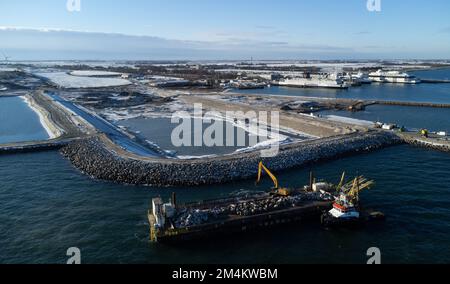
(47, 206)
(440, 74)
(19, 123)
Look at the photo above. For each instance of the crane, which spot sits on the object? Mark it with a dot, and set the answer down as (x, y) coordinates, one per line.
(359, 184)
(341, 183)
(280, 191)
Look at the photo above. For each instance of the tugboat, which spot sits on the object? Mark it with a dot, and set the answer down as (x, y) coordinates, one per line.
(346, 211)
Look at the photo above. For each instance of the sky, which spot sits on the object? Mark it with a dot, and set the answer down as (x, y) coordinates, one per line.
(224, 29)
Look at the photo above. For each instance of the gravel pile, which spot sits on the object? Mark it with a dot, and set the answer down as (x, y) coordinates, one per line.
(194, 217)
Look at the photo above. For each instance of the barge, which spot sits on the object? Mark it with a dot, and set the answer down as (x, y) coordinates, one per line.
(172, 222)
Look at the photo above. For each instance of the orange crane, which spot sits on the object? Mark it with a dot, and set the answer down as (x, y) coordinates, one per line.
(278, 190)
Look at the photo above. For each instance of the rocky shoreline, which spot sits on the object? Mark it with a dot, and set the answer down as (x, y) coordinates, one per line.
(433, 145)
(94, 158)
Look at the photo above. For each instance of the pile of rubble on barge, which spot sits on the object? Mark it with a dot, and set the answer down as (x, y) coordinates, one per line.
(170, 222)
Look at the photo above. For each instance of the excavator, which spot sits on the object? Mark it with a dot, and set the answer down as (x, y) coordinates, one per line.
(424, 133)
(277, 189)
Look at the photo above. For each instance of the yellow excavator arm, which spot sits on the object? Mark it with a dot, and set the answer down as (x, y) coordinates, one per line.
(272, 176)
(278, 190)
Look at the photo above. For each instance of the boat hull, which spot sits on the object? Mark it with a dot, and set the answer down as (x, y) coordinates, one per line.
(329, 221)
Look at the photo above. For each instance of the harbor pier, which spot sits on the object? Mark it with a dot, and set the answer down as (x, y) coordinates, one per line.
(25, 147)
(431, 142)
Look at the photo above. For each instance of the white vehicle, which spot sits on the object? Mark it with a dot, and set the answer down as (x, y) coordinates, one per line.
(393, 77)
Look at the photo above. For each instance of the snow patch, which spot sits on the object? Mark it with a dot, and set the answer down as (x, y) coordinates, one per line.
(65, 80)
(349, 120)
(89, 73)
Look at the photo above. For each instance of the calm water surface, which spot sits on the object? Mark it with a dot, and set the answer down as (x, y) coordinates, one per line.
(47, 206)
(19, 123)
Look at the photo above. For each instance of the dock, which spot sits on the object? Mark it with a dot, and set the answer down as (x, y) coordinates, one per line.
(412, 104)
(435, 81)
(37, 146)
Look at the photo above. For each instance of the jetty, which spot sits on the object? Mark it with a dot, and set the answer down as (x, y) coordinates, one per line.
(101, 158)
(411, 104)
(432, 141)
(435, 81)
(37, 146)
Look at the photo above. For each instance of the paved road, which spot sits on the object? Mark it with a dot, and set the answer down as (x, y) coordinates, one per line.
(109, 129)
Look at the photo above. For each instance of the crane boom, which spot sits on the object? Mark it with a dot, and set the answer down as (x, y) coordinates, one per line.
(341, 183)
(272, 176)
(359, 184)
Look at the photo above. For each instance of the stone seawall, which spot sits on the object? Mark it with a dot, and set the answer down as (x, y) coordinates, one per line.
(30, 147)
(443, 146)
(94, 158)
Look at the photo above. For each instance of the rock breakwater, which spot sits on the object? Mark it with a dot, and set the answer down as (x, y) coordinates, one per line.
(434, 144)
(94, 158)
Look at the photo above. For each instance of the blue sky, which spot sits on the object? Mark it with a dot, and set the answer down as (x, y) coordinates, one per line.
(225, 29)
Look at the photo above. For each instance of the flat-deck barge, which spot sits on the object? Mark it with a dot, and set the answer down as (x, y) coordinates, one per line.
(170, 223)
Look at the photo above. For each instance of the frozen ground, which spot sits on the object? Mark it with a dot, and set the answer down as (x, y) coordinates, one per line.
(65, 80)
(89, 73)
(343, 119)
(7, 69)
(143, 111)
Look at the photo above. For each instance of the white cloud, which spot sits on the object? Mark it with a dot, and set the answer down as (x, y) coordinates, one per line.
(51, 43)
